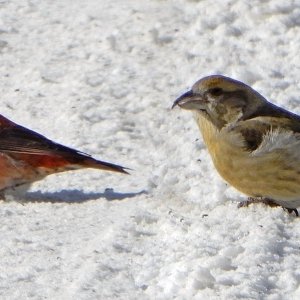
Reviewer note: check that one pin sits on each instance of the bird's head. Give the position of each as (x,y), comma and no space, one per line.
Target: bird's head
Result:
(221,100)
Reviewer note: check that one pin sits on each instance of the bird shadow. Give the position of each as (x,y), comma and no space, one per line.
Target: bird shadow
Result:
(77,196)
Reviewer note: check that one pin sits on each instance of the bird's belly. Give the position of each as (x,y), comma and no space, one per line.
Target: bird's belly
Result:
(257,176)
(14,172)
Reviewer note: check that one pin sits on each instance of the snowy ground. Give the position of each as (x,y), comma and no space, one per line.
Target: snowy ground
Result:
(101,76)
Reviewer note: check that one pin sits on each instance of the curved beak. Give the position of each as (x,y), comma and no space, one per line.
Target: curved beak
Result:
(183,98)
(190,101)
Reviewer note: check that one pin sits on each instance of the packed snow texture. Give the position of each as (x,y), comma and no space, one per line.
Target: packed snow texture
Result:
(101,76)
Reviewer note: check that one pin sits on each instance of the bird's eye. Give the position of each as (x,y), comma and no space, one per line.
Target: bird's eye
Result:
(216,91)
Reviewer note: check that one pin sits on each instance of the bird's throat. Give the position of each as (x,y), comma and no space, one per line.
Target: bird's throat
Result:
(209,132)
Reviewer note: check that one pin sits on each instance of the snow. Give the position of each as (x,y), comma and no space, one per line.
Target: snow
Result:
(101,76)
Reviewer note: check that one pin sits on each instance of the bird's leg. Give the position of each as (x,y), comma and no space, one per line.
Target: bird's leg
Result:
(268,202)
(247,202)
(252,200)
(14,193)
(2,194)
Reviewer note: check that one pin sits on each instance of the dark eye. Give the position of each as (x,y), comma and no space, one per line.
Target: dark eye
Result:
(216,91)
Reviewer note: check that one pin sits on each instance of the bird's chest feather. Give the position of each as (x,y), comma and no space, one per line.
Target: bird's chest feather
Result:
(225,150)
(229,154)
(222,145)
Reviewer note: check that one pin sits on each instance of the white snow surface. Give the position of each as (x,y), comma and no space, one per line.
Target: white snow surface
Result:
(101,76)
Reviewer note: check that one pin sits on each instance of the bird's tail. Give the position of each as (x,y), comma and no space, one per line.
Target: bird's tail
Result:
(98,164)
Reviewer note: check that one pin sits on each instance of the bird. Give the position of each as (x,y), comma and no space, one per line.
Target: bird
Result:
(27,156)
(253,143)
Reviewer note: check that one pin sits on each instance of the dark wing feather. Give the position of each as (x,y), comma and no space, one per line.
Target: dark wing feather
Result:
(267,117)
(18,139)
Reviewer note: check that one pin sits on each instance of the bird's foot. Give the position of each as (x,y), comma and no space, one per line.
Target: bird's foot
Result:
(268,202)
(292,210)
(15,194)
(2,195)
(252,200)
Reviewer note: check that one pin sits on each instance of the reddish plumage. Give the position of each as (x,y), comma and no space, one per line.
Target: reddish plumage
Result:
(26,156)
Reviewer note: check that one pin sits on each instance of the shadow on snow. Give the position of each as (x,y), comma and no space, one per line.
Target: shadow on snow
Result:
(77,196)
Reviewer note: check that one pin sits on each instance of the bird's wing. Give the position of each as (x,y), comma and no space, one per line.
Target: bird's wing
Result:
(18,139)
(267,134)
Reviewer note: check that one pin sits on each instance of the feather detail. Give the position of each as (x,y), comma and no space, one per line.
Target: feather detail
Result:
(277,139)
